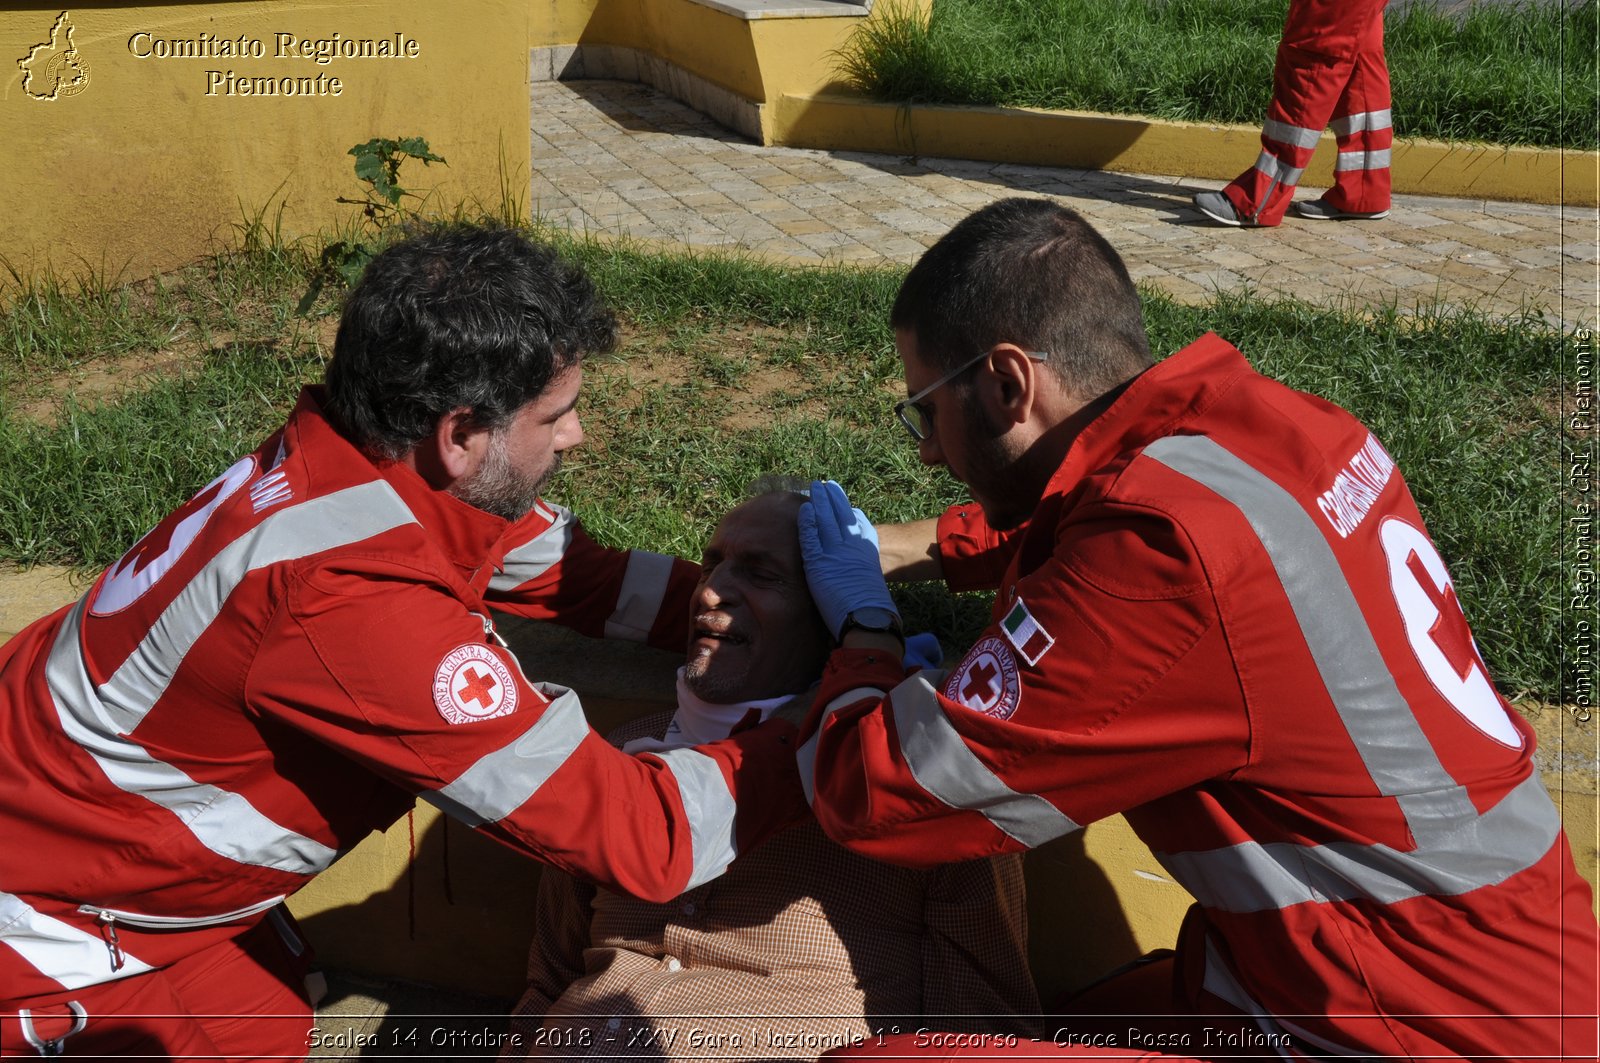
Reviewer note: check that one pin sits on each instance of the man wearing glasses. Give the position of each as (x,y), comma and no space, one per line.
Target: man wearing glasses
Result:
(1218,613)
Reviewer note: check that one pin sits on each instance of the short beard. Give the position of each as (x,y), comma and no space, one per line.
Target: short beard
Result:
(704,681)
(498,488)
(989,463)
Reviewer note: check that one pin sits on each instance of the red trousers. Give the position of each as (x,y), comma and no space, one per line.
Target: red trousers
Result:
(244,999)
(1330,71)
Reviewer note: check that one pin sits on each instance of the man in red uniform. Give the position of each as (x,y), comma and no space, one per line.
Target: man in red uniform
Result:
(1219,614)
(1330,71)
(294,656)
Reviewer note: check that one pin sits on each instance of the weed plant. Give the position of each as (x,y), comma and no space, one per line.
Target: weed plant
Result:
(1500,73)
(731,368)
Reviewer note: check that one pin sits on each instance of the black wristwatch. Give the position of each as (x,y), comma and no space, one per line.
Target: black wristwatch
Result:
(874,619)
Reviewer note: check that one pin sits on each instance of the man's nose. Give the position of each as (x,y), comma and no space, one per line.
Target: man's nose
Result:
(928,450)
(717,589)
(571,434)
(706,596)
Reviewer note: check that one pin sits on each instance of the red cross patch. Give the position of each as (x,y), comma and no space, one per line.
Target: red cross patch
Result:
(986,680)
(1438,632)
(472,683)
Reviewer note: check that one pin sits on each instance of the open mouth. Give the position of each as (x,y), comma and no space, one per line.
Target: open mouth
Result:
(716,629)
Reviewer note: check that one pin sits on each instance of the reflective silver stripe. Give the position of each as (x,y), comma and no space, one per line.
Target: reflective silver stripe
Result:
(1397,755)
(1278,171)
(100,719)
(501,782)
(1361,121)
(536,556)
(60,951)
(224,822)
(644,585)
(855,694)
(287,933)
(1284,133)
(710,807)
(1220,982)
(1363,160)
(1252,877)
(1457,850)
(318,524)
(806,757)
(943,765)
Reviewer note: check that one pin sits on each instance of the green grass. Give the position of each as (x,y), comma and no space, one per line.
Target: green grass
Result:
(52,324)
(1521,74)
(731,369)
(81,488)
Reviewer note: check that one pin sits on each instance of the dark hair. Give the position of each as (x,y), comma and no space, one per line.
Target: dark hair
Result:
(774,483)
(1033,273)
(460,316)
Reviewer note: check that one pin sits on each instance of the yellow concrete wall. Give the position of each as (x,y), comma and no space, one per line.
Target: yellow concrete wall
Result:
(800,52)
(693,37)
(756,60)
(569,21)
(143,163)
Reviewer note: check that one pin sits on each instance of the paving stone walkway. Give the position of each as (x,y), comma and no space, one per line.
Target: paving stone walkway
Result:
(621,158)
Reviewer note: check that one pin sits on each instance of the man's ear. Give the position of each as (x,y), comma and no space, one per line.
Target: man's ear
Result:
(452,451)
(1011,386)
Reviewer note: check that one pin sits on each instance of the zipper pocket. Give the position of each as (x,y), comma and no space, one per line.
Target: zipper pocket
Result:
(111,916)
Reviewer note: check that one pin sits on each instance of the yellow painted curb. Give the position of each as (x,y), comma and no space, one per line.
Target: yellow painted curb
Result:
(1181,149)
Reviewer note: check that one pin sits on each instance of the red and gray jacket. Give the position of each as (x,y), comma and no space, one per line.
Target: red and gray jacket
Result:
(284,665)
(1226,621)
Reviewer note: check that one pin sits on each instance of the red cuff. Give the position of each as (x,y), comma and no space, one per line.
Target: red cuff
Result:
(972,556)
(847,670)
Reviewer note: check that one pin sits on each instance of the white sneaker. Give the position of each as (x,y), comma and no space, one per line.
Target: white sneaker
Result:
(1219,208)
(1322,210)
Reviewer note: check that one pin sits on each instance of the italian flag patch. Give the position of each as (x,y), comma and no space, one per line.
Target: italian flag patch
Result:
(1026,634)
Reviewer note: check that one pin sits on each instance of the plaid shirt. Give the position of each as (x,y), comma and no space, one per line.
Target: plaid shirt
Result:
(801,946)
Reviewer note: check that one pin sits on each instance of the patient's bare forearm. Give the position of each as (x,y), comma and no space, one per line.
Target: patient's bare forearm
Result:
(909,551)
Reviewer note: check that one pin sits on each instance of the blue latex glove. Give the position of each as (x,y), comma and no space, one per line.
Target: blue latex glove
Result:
(923,650)
(840,548)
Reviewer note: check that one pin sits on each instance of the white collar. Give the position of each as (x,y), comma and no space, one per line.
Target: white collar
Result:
(698,721)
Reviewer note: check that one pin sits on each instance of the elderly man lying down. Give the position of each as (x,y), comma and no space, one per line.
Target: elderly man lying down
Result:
(801,945)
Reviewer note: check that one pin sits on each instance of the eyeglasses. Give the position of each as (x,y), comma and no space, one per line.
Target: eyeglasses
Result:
(917,419)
